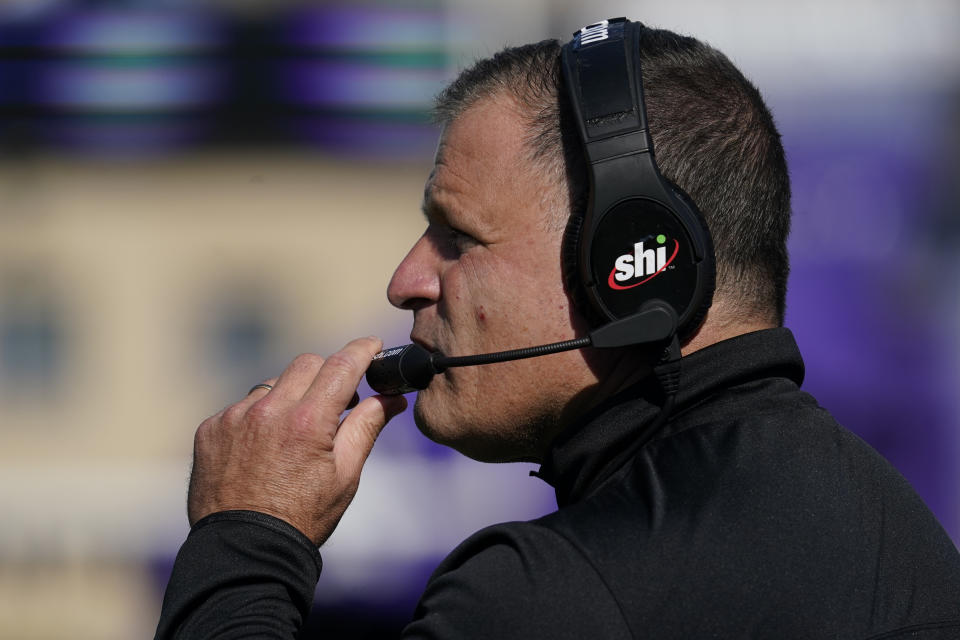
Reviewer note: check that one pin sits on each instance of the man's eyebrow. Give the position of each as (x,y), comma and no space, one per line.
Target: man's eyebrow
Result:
(431,209)
(425,207)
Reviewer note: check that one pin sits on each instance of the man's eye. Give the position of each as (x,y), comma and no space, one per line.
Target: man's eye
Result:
(462,241)
(450,239)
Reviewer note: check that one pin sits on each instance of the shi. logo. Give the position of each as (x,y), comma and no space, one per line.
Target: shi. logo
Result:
(641,263)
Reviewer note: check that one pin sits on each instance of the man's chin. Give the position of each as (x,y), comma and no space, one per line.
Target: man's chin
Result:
(439,431)
(473,443)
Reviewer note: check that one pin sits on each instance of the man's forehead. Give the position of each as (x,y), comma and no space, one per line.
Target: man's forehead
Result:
(459,173)
(481,157)
(428,204)
(441,203)
(491,130)
(440,152)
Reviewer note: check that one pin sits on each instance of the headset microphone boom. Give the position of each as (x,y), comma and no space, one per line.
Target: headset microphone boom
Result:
(411,367)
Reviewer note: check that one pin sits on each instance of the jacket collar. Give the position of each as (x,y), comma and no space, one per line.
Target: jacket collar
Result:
(576,462)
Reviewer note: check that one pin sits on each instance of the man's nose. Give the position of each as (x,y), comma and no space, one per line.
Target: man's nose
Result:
(416,281)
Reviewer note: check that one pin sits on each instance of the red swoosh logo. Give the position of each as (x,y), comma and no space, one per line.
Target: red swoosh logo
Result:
(613,283)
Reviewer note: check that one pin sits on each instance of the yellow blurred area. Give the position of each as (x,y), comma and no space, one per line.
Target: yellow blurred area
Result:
(135,253)
(85,601)
(138,259)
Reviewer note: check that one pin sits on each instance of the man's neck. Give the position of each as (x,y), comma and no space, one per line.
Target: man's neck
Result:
(719,325)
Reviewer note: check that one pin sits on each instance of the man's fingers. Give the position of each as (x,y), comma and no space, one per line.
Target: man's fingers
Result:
(256,393)
(261,389)
(297,377)
(354,401)
(360,429)
(336,382)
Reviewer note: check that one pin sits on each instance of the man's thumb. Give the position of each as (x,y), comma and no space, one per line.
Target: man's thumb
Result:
(360,429)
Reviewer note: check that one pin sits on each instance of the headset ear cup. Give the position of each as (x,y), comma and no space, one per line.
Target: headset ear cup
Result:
(569,264)
(709,276)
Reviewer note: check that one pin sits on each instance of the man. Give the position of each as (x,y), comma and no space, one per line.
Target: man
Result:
(748,513)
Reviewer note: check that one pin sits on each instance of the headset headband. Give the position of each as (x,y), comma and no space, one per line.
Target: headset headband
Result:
(608,92)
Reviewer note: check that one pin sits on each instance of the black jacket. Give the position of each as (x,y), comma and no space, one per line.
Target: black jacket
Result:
(752,513)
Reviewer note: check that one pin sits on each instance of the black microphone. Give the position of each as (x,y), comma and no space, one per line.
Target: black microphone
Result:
(410,367)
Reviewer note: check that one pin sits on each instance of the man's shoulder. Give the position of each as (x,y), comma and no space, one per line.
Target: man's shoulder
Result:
(517,580)
(780,510)
(774,449)
(531,539)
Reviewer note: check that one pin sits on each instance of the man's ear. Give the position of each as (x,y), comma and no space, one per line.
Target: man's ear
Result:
(572,285)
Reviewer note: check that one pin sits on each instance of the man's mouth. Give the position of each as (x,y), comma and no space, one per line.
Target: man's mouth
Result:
(423,343)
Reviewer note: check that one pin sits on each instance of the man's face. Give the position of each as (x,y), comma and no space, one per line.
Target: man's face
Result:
(485,276)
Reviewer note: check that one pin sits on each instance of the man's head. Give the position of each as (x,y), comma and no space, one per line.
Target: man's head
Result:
(510,173)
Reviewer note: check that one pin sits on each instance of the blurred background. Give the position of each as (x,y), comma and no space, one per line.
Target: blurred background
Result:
(183,183)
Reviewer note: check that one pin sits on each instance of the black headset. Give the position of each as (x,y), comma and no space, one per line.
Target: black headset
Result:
(641,240)
(639,263)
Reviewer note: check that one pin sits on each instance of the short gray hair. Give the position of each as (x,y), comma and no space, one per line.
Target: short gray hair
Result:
(713,134)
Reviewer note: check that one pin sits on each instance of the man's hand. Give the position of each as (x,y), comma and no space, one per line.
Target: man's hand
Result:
(285,452)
